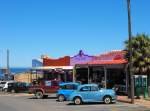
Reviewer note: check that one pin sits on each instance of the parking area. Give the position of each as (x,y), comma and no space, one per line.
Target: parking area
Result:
(26,102)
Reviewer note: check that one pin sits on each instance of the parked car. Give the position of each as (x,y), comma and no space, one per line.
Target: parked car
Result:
(2,84)
(65,90)
(16,87)
(5,87)
(92,93)
(44,88)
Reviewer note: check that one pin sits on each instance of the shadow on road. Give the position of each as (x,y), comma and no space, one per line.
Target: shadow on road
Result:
(97,103)
(43,98)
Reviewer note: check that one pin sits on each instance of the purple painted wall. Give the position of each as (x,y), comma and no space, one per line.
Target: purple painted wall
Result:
(80,57)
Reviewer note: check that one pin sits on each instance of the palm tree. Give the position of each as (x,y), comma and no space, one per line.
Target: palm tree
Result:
(140,55)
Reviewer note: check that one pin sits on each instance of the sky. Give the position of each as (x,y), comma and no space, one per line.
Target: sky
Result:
(31,28)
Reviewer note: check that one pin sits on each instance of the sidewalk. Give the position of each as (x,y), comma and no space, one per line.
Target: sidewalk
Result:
(142,102)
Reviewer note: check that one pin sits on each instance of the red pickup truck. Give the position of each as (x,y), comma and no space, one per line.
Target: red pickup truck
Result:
(44,88)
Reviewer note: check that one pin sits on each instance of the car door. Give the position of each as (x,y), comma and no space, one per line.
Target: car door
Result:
(47,87)
(94,94)
(84,92)
(22,87)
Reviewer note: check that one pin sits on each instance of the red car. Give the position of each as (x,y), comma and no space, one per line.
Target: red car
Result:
(44,88)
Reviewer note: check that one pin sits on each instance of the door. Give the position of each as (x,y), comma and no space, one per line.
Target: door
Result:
(84,92)
(47,87)
(94,94)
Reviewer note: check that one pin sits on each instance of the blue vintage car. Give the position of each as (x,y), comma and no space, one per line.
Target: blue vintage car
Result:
(92,93)
(66,89)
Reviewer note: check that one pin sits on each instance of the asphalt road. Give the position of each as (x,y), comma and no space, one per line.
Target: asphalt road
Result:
(21,102)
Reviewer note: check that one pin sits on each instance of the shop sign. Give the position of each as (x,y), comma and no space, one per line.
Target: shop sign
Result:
(80,58)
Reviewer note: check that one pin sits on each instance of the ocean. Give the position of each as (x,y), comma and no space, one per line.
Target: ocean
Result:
(17,70)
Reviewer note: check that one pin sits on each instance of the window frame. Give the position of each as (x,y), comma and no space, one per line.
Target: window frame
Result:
(84,87)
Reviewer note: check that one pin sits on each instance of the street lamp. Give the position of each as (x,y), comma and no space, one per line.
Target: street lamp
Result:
(130,53)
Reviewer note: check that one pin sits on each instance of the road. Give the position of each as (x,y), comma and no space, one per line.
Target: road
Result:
(15,102)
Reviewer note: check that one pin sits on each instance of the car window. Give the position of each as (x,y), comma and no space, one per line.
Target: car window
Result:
(66,87)
(71,87)
(94,88)
(85,88)
(48,83)
(55,83)
(63,87)
(10,84)
(18,84)
(22,84)
(3,83)
(75,87)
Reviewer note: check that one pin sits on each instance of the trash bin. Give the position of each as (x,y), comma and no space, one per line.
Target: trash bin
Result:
(149,91)
(138,92)
(145,92)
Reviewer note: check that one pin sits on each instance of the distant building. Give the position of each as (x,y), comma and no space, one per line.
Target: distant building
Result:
(26,77)
(37,62)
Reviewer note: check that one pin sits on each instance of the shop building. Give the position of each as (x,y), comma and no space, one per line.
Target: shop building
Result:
(107,70)
(58,69)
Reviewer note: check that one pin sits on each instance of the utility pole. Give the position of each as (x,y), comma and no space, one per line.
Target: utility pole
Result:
(8,68)
(130,53)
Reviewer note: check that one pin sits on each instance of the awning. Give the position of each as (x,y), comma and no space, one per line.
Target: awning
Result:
(111,62)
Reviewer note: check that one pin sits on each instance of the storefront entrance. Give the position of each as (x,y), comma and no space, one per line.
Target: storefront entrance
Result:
(61,75)
(108,76)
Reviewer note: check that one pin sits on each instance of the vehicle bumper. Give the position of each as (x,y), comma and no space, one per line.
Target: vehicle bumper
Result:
(114,99)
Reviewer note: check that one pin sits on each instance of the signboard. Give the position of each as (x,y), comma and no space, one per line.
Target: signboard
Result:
(80,58)
(114,55)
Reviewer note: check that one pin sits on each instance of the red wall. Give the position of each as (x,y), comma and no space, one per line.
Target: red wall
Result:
(65,61)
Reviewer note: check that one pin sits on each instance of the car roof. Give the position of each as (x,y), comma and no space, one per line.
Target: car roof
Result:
(87,85)
(2,82)
(69,83)
(10,81)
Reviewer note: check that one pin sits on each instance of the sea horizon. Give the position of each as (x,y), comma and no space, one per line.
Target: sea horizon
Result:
(16,70)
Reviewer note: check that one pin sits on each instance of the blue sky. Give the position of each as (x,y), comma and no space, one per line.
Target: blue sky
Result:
(30,28)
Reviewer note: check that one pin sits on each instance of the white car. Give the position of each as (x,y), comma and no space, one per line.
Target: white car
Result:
(2,84)
(5,87)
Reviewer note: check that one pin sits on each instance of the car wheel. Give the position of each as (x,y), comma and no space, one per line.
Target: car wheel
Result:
(13,91)
(39,95)
(61,98)
(5,90)
(107,99)
(77,101)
